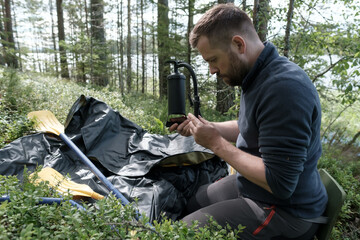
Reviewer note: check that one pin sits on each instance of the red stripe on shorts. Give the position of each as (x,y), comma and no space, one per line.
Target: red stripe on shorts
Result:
(266,222)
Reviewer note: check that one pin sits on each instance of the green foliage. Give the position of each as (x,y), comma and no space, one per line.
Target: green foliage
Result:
(23,218)
(142,105)
(14,103)
(13,127)
(340,122)
(14,95)
(326,48)
(347,175)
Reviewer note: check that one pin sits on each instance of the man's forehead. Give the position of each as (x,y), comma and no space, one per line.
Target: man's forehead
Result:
(205,49)
(203,43)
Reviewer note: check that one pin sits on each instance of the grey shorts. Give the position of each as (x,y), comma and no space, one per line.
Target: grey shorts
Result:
(223,201)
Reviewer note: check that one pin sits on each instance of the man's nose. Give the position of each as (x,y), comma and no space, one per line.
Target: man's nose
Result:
(213,69)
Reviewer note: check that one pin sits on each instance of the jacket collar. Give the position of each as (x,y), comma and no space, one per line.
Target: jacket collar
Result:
(265,57)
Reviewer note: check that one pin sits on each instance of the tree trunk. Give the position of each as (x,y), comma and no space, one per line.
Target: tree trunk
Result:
(128,49)
(61,35)
(243,5)
(100,76)
(54,38)
(86,19)
(137,46)
(120,53)
(143,48)
(88,36)
(288,28)
(16,37)
(261,17)
(9,44)
(353,140)
(163,41)
(191,8)
(153,51)
(225,95)
(2,38)
(38,59)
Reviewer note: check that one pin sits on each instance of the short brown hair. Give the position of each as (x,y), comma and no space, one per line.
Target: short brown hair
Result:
(220,23)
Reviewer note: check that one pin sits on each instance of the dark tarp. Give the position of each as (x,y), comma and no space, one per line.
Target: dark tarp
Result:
(162,172)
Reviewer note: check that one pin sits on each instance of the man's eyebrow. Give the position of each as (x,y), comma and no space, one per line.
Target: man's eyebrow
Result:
(208,59)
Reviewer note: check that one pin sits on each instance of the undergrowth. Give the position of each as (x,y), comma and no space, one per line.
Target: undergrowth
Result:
(347,175)
(23,218)
(23,93)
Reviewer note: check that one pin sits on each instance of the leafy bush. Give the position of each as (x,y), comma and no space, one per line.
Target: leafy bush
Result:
(344,173)
(24,218)
(15,96)
(15,102)
(339,122)
(13,127)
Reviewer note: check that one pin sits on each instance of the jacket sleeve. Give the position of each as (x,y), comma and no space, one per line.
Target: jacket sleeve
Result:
(284,118)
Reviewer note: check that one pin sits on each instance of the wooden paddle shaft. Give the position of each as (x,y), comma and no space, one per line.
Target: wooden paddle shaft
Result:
(94,169)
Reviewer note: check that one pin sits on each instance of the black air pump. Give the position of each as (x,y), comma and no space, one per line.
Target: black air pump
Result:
(176,94)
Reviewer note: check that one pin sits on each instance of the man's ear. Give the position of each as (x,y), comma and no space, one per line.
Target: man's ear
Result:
(239,43)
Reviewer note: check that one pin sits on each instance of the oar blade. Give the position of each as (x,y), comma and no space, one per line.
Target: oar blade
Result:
(45,121)
(63,185)
(49,123)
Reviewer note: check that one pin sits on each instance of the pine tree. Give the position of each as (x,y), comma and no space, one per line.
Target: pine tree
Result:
(61,35)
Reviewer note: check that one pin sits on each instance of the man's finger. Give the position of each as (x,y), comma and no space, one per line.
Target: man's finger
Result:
(202,119)
(183,125)
(173,127)
(191,127)
(191,116)
(186,128)
(193,119)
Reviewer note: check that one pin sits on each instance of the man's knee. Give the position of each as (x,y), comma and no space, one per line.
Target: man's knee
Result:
(200,217)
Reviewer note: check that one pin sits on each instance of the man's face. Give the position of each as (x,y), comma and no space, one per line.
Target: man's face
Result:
(228,65)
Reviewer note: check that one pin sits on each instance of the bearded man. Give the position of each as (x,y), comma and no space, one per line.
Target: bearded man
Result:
(277,192)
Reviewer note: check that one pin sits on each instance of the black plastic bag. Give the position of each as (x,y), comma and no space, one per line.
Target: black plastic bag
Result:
(161,171)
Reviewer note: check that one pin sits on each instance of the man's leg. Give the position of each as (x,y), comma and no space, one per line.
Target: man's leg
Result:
(222,201)
(224,189)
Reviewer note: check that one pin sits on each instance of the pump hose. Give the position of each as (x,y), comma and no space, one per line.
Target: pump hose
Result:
(196,94)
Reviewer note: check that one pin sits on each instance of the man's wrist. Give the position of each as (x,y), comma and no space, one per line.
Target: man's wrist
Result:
(219,146)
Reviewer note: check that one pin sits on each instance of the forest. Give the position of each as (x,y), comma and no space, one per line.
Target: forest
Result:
(118,52)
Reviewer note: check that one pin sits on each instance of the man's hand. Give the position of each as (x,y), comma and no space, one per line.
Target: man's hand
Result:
(182,129)
(204,132)
(208,135)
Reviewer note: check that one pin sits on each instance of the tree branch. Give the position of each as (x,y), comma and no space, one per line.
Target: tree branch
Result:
(332,122)
(348,145)
(326,70)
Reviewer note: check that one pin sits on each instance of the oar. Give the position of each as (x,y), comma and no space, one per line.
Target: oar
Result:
(45,121)
(47,200)
(64,185)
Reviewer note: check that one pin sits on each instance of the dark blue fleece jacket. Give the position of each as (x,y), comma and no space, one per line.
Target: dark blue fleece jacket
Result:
(279,121)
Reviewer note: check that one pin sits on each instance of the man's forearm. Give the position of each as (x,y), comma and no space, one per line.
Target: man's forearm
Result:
(228,130)
(210,135)
(251,167)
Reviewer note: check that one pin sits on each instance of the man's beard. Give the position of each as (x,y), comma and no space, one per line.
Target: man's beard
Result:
(237,71)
